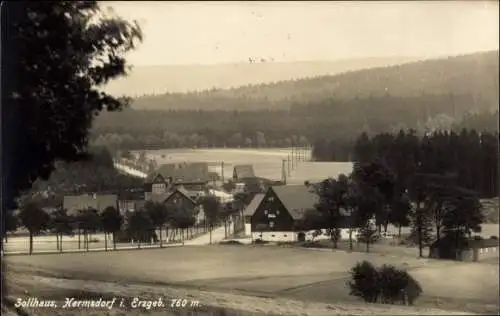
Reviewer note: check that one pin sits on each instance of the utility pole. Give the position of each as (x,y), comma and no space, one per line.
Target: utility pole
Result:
(222,171)
(283,172)
(288,165)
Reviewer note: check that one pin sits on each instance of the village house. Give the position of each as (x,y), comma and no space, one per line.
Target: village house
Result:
(279,214)
(73,204)
(193,177)
(242,172)
(274,215)
(178,198)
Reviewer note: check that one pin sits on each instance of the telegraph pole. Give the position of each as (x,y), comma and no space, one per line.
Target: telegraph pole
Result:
(222,171)
(283,172)
(288,165)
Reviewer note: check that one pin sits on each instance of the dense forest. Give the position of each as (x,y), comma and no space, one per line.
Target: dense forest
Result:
(472,74)
(470,157)
(94,174)
(132,129)
(425,96)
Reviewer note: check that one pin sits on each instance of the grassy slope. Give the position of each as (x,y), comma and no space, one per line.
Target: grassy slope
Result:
(230,276)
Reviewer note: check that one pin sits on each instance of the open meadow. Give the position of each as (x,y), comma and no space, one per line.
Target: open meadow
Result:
(267,162)
(255,274)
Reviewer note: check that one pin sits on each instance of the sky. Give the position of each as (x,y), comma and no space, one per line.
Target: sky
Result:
(182,33)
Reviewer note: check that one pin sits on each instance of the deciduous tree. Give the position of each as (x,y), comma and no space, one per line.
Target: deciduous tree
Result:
(35,219)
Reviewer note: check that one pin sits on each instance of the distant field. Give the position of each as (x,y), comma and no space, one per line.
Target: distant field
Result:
(308,275)
(267,162)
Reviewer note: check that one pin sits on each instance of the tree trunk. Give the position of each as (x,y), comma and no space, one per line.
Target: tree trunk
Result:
(225,228)
(61,243)
(31,243)
(5,237)
(385,226)
(105,241)
(367,246)
(210,235)
(399,231)
(350,239)
(438,235)
(79,239)
(161,238)
(57,241)
(114,240)
(87,236)
(419,231)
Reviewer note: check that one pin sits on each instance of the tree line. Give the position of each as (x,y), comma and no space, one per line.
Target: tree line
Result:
(140,226)
(434,204)
(96,173)
(342,121)
(470,156)
(342,149)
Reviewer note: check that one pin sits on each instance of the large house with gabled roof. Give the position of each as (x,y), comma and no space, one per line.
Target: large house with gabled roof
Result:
(279,214)
(191,176)
(274,215)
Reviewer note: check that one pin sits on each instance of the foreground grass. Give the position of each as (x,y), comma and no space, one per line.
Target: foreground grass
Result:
(212,303)
(256,279)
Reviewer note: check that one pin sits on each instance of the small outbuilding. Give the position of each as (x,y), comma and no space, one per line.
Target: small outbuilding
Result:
(469,250)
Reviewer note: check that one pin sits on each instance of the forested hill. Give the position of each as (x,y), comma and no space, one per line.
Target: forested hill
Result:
(184,78)
(475,75)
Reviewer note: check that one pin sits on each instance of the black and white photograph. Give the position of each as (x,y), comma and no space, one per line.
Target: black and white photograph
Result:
(240,158)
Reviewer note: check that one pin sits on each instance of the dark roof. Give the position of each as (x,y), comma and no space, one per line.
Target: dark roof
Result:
(162,197)
(182,172)
(158,197)
(482,243)
(184,192)
(74,203)
(244,171)
(297,199)
(469,243)
(254,204)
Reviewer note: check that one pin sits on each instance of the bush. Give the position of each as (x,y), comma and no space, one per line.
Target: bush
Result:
(387,283)
(478,237)
(397,285)
(230,242)
(363,281)
(493,237)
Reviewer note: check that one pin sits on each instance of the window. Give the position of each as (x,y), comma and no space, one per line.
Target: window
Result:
(270,199)
(284,235)
(277,212)
(271,224)
(265,212)
(158,188)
